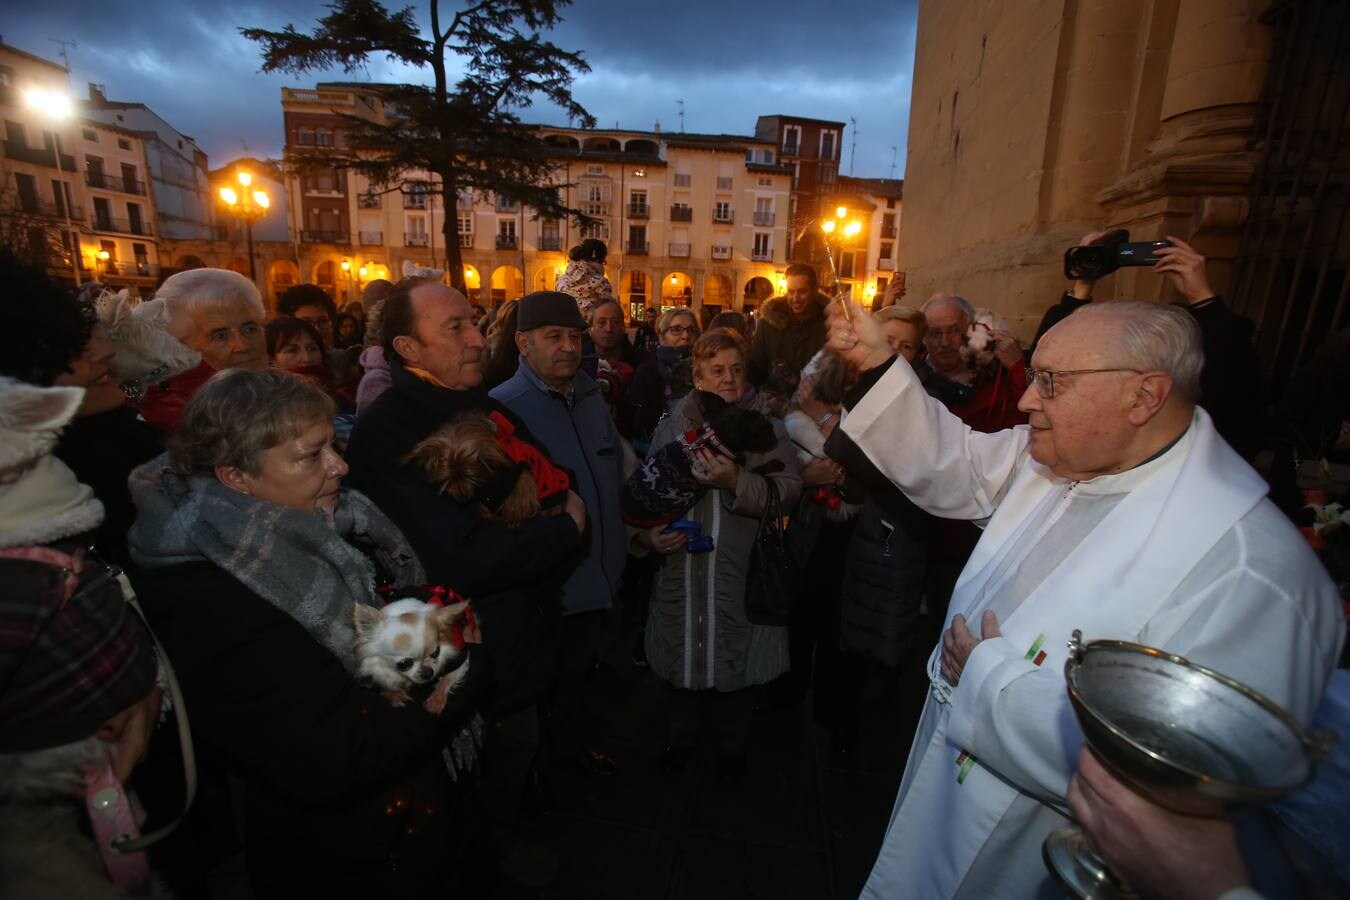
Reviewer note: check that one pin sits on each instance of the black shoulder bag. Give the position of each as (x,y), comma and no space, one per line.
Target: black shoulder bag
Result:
(774,577)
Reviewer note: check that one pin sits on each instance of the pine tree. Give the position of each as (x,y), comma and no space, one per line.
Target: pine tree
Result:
(468,135)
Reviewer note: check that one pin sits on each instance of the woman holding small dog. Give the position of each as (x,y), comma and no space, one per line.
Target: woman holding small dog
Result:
(698,638)
(255,560)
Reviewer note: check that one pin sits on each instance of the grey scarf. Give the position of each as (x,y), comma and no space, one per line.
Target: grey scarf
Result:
(310,568)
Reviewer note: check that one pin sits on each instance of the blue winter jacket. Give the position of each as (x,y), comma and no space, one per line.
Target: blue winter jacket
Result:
(578,433)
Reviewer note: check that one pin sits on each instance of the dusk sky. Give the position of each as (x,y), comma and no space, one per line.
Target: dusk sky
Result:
(729,62)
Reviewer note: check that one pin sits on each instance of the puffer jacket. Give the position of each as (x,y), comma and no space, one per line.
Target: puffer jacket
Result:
(783,338)
(697,634)
(375,380)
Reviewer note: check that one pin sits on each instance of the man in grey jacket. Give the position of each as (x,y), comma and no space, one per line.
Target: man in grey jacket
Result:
(565,411)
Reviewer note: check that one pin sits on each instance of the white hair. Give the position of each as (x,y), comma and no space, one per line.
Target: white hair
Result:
(208,290)
(1153,337)
(967,308)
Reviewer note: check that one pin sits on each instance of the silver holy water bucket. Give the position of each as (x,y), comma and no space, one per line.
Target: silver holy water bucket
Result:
(1184,736)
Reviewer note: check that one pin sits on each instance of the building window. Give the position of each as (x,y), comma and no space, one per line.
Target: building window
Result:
(637,285)
(683,179)
(885,252)
(465,220)
(597,193)
(550,235)
(90,135)
(507,228)
(637,238)
(722,211)
(761,250)
(323,138)
(766,156)
(595,170)
(304,137)
(827,144)
(792,139)
(123,144)
(597,230)
(142,259)
(724,183)
(637,203)
(765,182)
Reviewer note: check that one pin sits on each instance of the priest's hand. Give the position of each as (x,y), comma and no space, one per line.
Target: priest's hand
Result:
(856,336)
(958,642)
(1159,852)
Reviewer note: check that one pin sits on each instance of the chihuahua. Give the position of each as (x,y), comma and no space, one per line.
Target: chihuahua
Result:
(410,643)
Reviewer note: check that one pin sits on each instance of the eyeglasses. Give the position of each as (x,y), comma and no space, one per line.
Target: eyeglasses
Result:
(682,329)
(1044,379)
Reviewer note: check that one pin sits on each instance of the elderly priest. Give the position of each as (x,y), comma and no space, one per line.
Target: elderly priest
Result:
(1119,511)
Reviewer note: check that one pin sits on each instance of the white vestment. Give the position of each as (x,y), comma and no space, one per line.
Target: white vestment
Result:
(1182,553)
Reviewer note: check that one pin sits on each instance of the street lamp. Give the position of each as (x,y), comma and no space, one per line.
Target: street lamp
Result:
(56,105)
(841,231)
(248,206)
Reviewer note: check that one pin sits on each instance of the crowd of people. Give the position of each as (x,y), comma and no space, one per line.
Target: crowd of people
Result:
(207,509)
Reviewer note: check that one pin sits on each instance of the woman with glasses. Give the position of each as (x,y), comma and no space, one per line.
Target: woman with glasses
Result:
(661,381)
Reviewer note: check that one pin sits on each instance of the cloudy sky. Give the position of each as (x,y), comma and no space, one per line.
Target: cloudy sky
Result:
(728,61)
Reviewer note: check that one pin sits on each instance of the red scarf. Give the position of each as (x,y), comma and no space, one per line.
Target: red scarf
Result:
(551,480)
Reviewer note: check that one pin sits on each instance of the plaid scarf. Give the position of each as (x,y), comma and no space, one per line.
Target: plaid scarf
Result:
(305,565)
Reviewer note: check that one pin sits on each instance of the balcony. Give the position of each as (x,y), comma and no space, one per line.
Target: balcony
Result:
(886,265)
(507,242)
(721,252)
(681,214)
(324,237)
(49,210)
(414,201)
(38,156)
(415,239)
(639,211)
(138,269)
(636,249)
(372,238)
(723,216)
(368,201)
(888,231)
(679,251)
(763,218)
(122,226)
(466,240)
(114,183)
(762,255)
(550,242)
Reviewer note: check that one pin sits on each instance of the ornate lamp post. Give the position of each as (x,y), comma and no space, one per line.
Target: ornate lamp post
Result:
(248,206)
(840,230)
(57,107)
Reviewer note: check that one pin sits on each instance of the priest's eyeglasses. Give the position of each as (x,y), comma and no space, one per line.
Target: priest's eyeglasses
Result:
(1044,379)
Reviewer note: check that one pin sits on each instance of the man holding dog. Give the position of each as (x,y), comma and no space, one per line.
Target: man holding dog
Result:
(565,409)
(1117,510)
(512,575)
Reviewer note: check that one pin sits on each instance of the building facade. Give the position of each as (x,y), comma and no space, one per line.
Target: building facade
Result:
(688,219)
(1217,121)
(75,191)
(812,149)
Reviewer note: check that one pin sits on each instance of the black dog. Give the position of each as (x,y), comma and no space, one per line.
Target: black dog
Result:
(664,487)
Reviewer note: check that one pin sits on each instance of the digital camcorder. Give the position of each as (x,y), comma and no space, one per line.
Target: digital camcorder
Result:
(1109,252)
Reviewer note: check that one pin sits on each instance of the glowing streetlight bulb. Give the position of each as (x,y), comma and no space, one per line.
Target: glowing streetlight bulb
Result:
(245,178)
(827,226)
(363,271)
(229,196)
(674,280)
(840,212)
(104,255)
(54,104)
(346,265)
(261,198)
(852,228)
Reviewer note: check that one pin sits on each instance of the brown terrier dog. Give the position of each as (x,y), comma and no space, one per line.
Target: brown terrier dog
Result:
(466,460)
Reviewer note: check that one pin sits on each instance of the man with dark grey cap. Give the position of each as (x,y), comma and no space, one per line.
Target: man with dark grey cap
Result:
(565,410)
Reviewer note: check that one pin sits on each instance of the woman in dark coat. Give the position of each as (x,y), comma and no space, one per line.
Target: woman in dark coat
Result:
(254,559)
